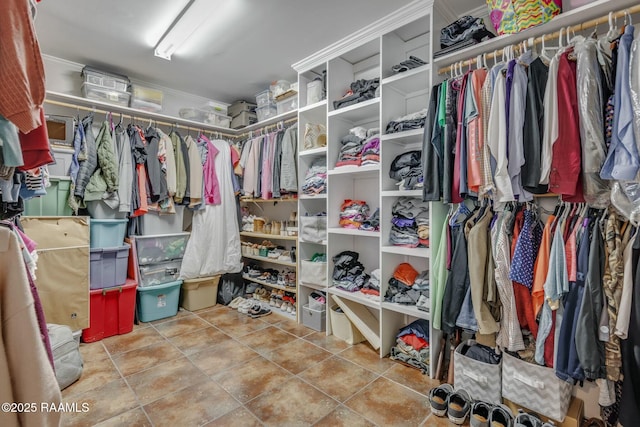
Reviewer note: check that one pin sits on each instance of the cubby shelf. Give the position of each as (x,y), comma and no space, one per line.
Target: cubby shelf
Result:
(353,232)
(358,297)
(400,250)
(270,260)
(267,236)
(408,136)
(358,112)
(314,152)
(271,285)
(410,310)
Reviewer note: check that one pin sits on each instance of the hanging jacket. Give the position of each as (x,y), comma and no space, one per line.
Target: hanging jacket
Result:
(89,163)
(104,180)
(431,170)
(125,181)
(289,170)
(157,179)
(181,177)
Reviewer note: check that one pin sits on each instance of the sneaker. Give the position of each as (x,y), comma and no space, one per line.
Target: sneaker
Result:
(245,306)
(501,416)
(438,399)
(423,303)
(236,302)
(459,406)
(524,419)
(258,311)
(480,414)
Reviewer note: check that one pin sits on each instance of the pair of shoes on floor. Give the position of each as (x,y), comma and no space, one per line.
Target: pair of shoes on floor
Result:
(457,405)
(258,311)
(246,305)
(236,302)
(288,307)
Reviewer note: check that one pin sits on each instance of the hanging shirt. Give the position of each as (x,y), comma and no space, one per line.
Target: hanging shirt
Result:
(623,160)
(211,183)
(497,136)
(485,104)
(537,75)
(515,138)
(449,140)
(550,133)
(457,187)
(475,132)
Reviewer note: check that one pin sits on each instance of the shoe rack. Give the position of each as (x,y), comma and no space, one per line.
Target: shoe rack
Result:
(368,54)
(276,223)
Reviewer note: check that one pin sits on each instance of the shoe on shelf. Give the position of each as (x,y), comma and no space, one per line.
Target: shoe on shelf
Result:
(459,406)
(524,419)
(439,398)
(480,412)
(285,256)
(501,416)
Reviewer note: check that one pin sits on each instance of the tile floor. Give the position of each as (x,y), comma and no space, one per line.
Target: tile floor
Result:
(216,367)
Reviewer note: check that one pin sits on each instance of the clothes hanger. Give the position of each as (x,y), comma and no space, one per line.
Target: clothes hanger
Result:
(627,15)
(612,34)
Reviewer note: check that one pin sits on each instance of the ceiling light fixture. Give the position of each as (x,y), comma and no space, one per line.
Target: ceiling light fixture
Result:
(194,14)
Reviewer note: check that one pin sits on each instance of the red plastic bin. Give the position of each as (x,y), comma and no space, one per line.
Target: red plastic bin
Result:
(111,312)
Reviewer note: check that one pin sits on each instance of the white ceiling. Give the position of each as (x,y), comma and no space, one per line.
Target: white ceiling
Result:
(233,58)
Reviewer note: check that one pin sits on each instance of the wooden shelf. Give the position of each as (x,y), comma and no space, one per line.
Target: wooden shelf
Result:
(353,232)
(270,285)
(406,137)
(410,310)
(314,152)
(400,250)
(358,297)
(288,199)
(267,236)
(317,196)
(369,109)
(316,106)
(402,193)
(271,260)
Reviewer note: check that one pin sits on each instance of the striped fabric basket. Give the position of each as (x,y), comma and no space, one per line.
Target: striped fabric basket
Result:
(512,16)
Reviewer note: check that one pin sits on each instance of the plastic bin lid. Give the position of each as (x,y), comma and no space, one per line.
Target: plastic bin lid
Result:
(161,286)
(130,283)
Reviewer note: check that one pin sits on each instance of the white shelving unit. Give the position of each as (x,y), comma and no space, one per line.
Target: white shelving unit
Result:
(369,54)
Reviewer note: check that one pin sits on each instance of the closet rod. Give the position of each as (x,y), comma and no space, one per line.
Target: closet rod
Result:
(132,117)
(538,40)
(274,125)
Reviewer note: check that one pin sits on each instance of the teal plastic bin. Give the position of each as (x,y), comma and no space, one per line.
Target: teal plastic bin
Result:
(54,203)
(107,233)
(158,301)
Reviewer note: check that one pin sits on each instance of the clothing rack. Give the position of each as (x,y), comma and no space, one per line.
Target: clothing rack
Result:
(542,39)
(266,129)
(134,117)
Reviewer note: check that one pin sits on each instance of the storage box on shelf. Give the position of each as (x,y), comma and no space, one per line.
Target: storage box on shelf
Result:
(263,98)
(279,87)
(284,105)
(266,112)
(244,119)
(109,96)
(158,301)
(54,203)
(241,106)
(146,99)
(108,267)
(199,293)
(104,79)
(111,312)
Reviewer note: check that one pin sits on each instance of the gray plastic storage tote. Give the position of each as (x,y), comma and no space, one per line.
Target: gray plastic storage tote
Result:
(482,380)
(535,387)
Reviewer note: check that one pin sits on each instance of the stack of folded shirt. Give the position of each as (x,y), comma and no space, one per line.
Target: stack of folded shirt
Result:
(348,272)
(410,223)
(371,151)
(409,64)
(360,90)
(412,345)
(372,223)
(372,287)
(422,283)
(353,213)
(410,121)
(406,168)
(350,152)
(315,178)
(400,289)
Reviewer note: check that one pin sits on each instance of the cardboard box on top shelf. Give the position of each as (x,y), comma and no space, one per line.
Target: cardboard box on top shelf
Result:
(574,418)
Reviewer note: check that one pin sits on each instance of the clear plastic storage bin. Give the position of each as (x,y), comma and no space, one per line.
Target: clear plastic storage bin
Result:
(146,99)
(161,248)
(95,77)
(286,105)
(159,273)
(110,96)
(263,99)
(265,113)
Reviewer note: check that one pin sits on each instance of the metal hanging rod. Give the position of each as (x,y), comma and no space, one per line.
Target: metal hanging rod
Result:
(134,117)
(539,40)
(266,128)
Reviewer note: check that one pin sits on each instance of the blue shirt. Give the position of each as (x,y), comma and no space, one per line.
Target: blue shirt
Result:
(623,160)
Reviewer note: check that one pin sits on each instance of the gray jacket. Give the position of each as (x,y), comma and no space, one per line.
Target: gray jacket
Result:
(289,168)
(88,164)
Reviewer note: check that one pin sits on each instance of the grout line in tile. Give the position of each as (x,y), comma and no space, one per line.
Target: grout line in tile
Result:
(403,385)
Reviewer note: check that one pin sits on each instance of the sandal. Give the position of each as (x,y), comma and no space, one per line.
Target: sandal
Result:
(439,398)
(458,407)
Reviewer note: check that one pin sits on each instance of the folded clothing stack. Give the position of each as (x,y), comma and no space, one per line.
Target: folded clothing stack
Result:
(422,283)
(348,272)
(410,223)
(350,152)
(371,151)
(402,288)
(408,122)
(406,168)
(372,287)
(412,345)
(360,90)
(353,213)
(316,178)
(408,64)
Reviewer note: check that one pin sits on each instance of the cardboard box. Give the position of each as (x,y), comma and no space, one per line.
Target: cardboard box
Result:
(574,418)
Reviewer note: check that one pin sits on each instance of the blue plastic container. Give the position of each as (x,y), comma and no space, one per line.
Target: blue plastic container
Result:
(107,233)
(158,301)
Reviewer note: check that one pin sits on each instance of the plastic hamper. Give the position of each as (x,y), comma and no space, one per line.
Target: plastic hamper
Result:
(343,328)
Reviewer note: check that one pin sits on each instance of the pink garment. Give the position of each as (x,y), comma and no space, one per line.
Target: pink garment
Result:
(250,173)
(266,188)
(211,184)
(28,243)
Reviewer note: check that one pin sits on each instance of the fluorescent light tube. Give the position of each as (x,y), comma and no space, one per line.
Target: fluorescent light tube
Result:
(195,13)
